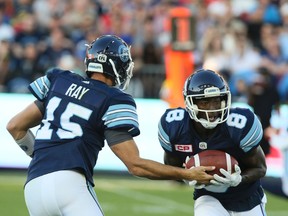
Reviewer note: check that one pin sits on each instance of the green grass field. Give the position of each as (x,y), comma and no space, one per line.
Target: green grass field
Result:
(120,195)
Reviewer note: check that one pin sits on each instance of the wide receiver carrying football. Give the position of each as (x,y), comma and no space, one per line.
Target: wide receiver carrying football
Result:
(219,159)
(209,123)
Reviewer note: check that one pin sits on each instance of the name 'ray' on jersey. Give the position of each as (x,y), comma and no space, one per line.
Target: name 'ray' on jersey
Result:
(78,108)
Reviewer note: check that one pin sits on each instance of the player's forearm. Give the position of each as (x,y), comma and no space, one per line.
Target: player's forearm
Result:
(256,166)
(24,120)
(253,175)
(13,128)
(154,170)
(157,171)
(24,138)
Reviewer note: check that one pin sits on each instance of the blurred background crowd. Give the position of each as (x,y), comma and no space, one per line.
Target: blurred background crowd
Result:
(245,40)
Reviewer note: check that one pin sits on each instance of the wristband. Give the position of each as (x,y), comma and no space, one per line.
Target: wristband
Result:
(27,143)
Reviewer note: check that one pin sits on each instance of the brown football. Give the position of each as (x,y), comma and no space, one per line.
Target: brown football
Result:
(217,158)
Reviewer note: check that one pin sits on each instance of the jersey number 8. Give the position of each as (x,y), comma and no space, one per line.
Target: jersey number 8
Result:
(234,119)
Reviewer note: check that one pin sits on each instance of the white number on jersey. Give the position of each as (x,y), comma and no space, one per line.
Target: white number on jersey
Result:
(175,115)
(236,120)
(69,129)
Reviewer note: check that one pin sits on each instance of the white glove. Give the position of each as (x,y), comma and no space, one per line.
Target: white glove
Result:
(230,180)
(194,184)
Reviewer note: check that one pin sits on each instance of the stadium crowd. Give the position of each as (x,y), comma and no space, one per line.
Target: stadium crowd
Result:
(246,41)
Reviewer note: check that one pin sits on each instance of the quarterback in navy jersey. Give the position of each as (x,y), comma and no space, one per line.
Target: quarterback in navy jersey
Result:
(83,120)
(208,122)
(76,115)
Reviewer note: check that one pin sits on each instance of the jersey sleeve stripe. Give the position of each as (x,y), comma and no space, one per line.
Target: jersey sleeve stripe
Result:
(253,137)
(122,121)
(164,138)
(119,115)
(121,106)
(121,112)
(40,87)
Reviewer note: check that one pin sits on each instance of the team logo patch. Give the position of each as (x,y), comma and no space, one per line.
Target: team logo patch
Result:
(183,148)
(123,53)
(203,145)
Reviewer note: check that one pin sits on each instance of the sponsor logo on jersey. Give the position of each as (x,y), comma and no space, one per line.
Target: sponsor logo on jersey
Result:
(203,145)
(183,148)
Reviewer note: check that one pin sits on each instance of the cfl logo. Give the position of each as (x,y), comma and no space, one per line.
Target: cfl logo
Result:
(203,145)
(102,58)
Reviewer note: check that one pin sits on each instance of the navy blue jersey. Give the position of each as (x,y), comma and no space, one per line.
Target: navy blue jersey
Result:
(240,134)
(77,112)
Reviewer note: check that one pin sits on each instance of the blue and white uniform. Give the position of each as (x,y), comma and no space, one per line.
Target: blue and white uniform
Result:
(77,113)
(237,136)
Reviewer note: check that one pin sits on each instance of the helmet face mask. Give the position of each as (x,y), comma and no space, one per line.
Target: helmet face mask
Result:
(207,87)
(111,56)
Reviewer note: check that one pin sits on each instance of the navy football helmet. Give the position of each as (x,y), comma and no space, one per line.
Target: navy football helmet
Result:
(206,84)
(110,55)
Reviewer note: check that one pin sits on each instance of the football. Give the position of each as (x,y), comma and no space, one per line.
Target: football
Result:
(217,158)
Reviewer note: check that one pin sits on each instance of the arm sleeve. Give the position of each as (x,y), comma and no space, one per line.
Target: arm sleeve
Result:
(40,106)
(114,137)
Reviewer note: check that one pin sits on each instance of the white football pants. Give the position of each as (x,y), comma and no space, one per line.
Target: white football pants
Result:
(62,193)
(208,205)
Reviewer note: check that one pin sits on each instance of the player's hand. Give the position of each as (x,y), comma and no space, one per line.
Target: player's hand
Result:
(193,183)
(201,178)
(231,180)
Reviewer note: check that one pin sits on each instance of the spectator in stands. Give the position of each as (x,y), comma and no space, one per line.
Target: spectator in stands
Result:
(263,98)
(24,68)
(7,34)
(214,54)
(244,60)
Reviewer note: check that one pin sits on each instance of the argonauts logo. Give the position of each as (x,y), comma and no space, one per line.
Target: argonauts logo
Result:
(123,53)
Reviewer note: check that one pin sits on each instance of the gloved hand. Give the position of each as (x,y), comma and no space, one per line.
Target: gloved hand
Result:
(230,180)
(194,184)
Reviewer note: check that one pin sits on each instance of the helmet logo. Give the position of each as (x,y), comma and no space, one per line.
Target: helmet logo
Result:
(101,58)
(123,53)
(212,91)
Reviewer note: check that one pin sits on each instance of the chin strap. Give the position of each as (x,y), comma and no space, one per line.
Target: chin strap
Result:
(209,125)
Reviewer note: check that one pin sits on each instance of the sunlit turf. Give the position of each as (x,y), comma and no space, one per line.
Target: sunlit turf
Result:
(124,195)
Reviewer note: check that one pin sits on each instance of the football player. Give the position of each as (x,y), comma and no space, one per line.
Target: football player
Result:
(77,114)
(209,122)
